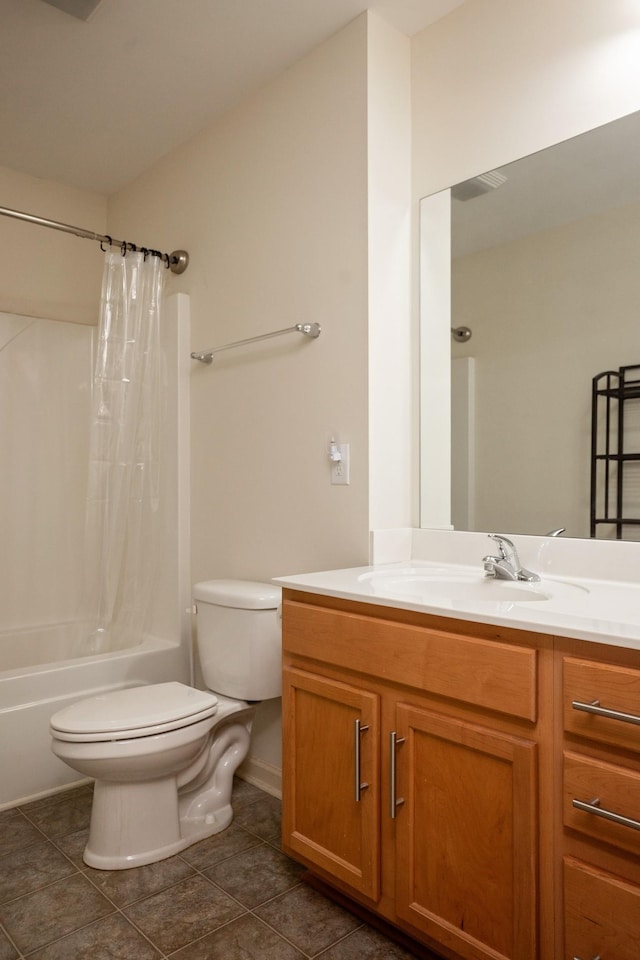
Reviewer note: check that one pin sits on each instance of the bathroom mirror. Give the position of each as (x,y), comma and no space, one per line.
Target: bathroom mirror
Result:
(544,272)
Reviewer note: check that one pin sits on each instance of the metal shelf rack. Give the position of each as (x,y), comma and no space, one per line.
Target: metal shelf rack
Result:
(611,481)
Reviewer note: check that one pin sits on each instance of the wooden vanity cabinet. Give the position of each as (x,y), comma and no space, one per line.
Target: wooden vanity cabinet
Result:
(411,770)
(600,764)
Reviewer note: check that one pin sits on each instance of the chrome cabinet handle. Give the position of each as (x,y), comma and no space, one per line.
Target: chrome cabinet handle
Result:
(594,707)
(594,958)
(358,729)
(394,741)
(593,806)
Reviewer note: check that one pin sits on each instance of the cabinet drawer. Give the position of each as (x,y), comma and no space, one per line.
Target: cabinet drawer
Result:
(602,914)
(605,687)
(500,677)
(618,791)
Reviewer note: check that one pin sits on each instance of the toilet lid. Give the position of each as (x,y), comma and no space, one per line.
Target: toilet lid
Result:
(134,712)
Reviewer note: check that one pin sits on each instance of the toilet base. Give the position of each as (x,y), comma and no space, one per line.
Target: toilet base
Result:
(142,822)
(111,846)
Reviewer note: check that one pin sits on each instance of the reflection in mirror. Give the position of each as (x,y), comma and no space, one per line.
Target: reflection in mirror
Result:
(545,274)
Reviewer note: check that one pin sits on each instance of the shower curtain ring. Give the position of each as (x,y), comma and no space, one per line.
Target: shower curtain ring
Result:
(123,248)
(108,241)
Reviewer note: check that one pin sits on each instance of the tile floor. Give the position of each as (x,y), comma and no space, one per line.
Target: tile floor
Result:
(234,896)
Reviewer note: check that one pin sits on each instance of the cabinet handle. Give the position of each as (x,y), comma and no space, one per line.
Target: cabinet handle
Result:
(358,729)
(593,806)
(594,958)
(594,707)
(394,741)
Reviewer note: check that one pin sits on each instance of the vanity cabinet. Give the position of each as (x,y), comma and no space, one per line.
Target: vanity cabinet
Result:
(411,770)
(600,762)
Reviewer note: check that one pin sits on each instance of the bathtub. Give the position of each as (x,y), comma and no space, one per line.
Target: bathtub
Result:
(31,691)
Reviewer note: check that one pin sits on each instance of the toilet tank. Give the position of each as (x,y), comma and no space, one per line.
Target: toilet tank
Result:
(238,636)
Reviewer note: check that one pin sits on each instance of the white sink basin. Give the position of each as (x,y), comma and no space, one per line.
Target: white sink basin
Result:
(451,588)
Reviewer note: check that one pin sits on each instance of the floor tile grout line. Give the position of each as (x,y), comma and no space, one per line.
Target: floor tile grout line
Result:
(279,934)
(44,886)
(91,923)
(33,824)
(281,893)
(272,842)
(11,941)
(330,946)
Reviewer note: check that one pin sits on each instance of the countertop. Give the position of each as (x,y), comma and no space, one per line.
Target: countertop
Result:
(602,611)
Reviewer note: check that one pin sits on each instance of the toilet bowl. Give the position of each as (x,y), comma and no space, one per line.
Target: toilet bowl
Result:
(163,755)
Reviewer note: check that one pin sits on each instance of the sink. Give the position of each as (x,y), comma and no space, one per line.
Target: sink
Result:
(464,588)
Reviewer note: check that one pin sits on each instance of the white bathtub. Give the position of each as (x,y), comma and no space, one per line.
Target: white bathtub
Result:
(31,692)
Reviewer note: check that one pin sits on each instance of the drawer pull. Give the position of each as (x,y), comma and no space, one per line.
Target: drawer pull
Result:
(594,707)
(595,958)
(593,806)
(358,730)
(394,741)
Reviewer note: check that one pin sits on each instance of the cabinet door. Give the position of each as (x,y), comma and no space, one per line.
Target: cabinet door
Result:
(330,803)
(466,835)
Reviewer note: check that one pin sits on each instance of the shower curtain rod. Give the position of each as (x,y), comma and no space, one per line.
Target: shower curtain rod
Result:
(311,330)
(177,261)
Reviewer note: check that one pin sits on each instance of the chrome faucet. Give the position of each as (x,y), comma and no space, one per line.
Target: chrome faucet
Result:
(506,566)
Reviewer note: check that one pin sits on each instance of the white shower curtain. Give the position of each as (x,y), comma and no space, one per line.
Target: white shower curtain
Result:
(122,515)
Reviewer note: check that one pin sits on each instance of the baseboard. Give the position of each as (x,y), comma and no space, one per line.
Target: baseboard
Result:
(263,775)
(43,794)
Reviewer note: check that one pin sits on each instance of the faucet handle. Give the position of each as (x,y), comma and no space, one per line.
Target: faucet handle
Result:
(507,547)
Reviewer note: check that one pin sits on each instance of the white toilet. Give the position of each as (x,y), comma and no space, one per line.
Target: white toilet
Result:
(163,755)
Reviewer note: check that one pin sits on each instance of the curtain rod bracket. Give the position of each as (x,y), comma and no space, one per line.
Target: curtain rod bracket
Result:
(178,261)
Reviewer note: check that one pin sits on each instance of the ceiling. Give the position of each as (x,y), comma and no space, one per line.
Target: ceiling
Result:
(93,103)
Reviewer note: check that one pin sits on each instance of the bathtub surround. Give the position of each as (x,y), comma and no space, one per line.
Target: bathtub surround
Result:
(44,673)
(44,395)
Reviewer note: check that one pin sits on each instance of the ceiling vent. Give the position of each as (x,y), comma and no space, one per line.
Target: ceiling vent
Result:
(81,9)
(469,189)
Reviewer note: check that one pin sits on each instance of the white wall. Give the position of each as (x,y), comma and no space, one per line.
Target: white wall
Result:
(47,273)
(499,79)
(283,205)
(392,343)
(271,203)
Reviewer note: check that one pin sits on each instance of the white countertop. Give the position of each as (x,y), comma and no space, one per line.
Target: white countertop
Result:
(604,611)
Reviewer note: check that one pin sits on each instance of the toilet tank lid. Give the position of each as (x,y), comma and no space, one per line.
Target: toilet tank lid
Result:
(243,594)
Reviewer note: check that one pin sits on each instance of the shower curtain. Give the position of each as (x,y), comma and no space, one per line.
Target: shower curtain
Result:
(122,516)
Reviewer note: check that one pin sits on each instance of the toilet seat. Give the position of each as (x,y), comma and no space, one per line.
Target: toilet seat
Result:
(133,712)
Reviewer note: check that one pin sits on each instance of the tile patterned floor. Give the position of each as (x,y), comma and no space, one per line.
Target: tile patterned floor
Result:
(234,896)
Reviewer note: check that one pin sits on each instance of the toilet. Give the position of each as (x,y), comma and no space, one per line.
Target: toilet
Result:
(163,755)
